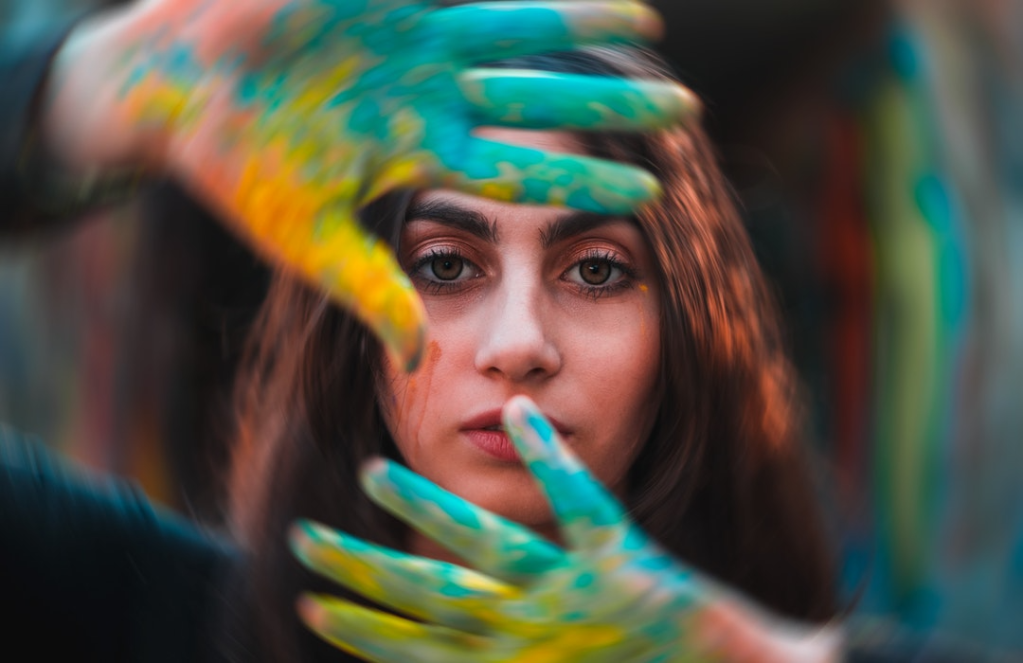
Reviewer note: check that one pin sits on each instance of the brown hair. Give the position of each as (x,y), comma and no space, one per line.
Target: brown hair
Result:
(721,482)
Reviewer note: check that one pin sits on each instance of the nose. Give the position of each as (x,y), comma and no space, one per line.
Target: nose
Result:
(516,342)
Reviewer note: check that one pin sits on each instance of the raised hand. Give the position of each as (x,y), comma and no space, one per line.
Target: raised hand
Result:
(611,594)
(290,115)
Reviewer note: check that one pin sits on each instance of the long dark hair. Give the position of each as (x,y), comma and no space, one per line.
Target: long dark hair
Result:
(721,482)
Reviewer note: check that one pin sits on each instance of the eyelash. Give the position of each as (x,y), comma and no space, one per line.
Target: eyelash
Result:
(432,286)
(626,281)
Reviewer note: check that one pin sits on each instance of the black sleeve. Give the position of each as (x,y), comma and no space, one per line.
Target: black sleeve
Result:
(25,57)
(91,571)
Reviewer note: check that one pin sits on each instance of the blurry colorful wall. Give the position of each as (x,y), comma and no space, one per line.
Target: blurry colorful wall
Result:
(877,151)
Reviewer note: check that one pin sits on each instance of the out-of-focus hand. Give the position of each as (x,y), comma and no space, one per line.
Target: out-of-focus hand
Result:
(287,116)
(610,595)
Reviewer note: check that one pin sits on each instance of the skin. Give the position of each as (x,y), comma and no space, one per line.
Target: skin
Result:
(609,594)
(287,116)
(519,318)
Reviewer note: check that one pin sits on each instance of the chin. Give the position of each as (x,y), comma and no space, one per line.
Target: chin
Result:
(509,492)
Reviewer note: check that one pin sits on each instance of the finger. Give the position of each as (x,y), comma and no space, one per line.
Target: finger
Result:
(588,514)
(500,30)
(303,229)
(433,591)
(527,175)
(356,269)
(542,100)
(384,638)
(489,543)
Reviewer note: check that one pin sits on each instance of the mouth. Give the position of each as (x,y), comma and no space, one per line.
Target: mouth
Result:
(486,433)
(490,421)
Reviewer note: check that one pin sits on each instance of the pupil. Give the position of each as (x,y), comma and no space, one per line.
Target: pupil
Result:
(447,269)
(595,272)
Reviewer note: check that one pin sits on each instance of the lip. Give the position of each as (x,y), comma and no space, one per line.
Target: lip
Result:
(491,418)
(496,443)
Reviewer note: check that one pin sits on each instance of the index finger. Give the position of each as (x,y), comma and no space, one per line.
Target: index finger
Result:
(488,542)
(588,514)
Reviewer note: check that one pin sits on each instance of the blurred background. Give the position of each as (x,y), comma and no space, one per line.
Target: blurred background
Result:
(876,147)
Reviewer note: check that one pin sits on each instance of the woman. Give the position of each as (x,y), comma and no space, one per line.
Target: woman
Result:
(259,109)
(699,445)
(651,340)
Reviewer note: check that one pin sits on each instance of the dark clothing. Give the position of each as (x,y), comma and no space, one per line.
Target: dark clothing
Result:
(91,571)
(24,61)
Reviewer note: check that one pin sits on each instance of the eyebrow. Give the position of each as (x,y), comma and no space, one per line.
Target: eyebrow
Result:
(478,225)
(573,224)
(460,218)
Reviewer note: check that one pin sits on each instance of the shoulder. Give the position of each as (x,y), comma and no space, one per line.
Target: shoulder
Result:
(124,578)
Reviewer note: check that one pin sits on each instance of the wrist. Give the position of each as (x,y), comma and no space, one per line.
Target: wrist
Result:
(81,128)
(730,629)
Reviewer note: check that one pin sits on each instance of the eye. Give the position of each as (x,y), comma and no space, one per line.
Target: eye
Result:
(447,268)
(442,268)
(600,273)
(595,271)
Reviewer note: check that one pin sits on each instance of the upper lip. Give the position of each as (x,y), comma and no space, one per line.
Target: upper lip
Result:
(492,418)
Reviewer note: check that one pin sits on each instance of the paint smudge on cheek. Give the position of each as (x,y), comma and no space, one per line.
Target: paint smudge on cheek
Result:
(433,354)
(644,314)
(410,398)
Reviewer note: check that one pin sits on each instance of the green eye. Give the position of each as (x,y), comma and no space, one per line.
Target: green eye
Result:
(447,268)
(595,272)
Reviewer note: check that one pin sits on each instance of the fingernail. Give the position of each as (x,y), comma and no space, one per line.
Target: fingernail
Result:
(310,612)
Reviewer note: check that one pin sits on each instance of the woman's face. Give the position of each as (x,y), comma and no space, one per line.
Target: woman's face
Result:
(557,305)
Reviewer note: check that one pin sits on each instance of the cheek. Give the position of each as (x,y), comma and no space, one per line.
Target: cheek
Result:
(621,349)
(406,401)
(619,372)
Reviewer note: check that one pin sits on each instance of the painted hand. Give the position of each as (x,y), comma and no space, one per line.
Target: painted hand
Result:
(290,115)
(610,595)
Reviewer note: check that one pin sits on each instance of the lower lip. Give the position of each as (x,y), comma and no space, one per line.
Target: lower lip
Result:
(495,444)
